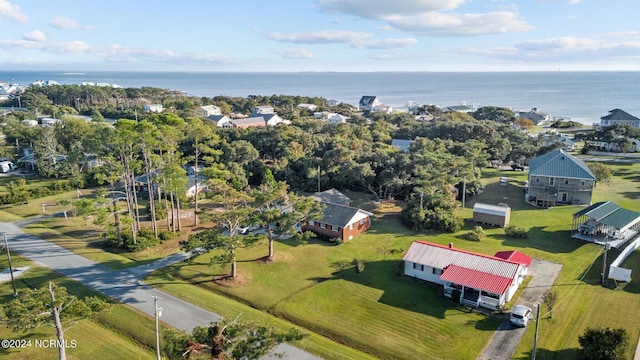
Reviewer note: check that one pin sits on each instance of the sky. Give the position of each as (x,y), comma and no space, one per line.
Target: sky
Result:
(320,35)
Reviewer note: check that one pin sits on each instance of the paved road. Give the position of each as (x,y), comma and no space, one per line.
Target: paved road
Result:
(506,339)
(122,286)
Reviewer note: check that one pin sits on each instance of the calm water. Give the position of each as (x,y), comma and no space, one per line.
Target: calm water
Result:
(581,96)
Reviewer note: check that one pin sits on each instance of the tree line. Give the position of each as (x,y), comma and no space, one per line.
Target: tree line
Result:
(308,155)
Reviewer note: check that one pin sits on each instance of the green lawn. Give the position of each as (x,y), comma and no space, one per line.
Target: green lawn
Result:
(117,333)
(379,313)
(387,315)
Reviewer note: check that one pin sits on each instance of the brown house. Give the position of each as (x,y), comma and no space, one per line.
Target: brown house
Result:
(340,221)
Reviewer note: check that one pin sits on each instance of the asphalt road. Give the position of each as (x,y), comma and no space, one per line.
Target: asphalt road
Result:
(506,339)
(123,286)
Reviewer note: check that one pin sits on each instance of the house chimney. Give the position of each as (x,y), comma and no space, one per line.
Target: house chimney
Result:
(450,245)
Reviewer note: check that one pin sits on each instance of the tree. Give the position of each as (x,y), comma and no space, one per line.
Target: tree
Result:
(229,339)
(550,298)
(604,343)
(601,171)
(203,138)
(52,305)
(208,240)
(280,211)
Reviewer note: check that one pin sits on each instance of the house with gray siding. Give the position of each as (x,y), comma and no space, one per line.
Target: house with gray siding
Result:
(559,178)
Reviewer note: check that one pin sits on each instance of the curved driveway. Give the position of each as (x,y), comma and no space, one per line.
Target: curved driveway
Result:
(123,286)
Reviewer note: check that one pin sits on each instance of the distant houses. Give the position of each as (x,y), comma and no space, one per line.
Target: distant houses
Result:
(331,117)
(155,108)
(478,280)
(367,103)
(619,117)
(534,115)
(208,110)
(559,178)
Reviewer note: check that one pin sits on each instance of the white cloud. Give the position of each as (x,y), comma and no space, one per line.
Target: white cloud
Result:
(65,23)
(379,9)
(68,47)
(562,49)
(384,43)
(19,44)
(296,53)
(430,17)
(319,37)
(574,2)
(35,35)
(555,44)
(438,24)
(361,40)
(12,12)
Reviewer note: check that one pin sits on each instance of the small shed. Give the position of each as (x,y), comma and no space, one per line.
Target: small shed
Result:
(497,215)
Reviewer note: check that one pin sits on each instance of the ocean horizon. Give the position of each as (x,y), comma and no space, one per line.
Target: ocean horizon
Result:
(582,96)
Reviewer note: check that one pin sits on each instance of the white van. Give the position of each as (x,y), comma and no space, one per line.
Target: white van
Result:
(7,166)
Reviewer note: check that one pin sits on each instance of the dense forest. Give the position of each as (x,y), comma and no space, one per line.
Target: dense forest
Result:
(308,154)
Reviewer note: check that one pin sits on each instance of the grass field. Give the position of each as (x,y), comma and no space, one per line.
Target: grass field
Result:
(379,313)
(117,333)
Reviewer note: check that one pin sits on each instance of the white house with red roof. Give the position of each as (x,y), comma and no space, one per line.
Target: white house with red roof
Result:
(483,280)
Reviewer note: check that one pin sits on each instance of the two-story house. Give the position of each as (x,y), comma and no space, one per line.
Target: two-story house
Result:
(619,117)
(559,178)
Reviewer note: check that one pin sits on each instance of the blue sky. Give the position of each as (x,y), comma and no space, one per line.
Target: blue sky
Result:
(320,35)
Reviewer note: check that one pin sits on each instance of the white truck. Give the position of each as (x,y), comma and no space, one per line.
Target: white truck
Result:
(7,166)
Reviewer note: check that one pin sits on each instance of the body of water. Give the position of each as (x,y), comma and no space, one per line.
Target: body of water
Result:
(581,96)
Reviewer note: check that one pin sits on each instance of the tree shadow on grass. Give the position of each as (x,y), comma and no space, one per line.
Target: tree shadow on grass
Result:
(541,239)
(546,354)
(398,290)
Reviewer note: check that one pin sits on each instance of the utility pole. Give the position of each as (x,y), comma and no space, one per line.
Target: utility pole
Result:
(13,281)
(157,312)
(604,259)
(464,190)
(535,337)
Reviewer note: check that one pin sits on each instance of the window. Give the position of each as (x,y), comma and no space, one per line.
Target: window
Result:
(436,271)
(537,180)
(491,295)
(362,222)
(323,225)
(335,228)
(418,266)
(566,182)
(583,182)
(552,181)
(350,226)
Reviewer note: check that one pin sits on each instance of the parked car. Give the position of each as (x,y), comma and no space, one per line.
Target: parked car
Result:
(521,315)
(517,167)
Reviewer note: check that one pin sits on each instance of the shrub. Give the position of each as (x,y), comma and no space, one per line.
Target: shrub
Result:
(337,241)
(359,263)
(477,234)
(517,232)
(167,235)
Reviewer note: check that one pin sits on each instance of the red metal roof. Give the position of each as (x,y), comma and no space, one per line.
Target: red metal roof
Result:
(515,256)
(494,274)
(476,279)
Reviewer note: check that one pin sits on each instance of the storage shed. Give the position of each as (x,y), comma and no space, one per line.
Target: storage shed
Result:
(497,215)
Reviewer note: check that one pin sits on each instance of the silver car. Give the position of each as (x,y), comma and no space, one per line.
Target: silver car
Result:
(521,315)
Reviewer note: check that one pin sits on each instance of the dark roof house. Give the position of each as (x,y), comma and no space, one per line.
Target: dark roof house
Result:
(619,117)
(559,178)
(368,102)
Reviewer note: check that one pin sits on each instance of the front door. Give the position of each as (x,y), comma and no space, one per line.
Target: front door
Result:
(563,197)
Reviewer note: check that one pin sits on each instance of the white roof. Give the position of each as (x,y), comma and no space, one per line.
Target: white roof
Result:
(491,209)
(439,257)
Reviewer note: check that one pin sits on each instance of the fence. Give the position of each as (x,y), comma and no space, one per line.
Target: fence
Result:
(622,274)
